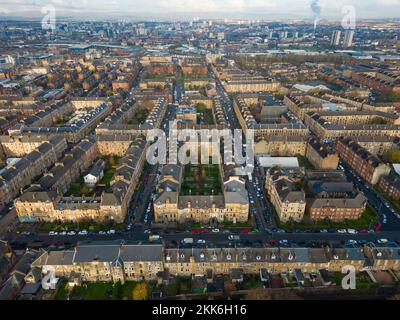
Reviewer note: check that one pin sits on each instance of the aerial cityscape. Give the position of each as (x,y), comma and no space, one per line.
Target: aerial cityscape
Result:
(180,150)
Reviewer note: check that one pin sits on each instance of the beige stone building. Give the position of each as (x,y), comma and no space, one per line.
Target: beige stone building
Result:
(21,174)
(247,121)
(46,201)
(171,206)
(322,155)
(221,261)
(383,257)
(288,199)
(109,263)
(281,146)
(328,124)
(113,263)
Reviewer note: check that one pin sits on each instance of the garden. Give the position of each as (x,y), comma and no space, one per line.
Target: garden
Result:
(201,180)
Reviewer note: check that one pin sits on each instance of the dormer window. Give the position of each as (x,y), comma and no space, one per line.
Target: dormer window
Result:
(229,257)
(201,255)
(290,257)
(214,256)
(244,256)
(273,257)
(168,258)
(182,256)
(258,257)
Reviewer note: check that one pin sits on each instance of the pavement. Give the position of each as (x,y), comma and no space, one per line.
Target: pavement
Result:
(260,210)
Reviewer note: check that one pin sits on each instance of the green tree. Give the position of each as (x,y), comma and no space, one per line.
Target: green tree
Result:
(141,291)
(392,156)
(85,190)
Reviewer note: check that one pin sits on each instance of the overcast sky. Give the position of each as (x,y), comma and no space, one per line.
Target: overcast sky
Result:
(186,9)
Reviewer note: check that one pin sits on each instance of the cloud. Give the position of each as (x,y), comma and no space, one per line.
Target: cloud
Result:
(220,8)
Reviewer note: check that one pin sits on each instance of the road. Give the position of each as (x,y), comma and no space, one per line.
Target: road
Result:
(375,200)
(260,208)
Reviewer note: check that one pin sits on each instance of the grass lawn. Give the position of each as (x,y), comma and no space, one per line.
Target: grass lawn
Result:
(73,226)
(104,291)
(107,178)
(201,180)
(184,285)
(291,285)
(367,221)
(208,117)
(77,187)
(111,165)
(303,162)
(62,291)
(251,281)
(363,281)
(140,115)
(206,113)
(336,277)
(94,291)
(171,290)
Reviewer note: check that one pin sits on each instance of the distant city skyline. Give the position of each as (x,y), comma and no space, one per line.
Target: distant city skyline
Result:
(211,9)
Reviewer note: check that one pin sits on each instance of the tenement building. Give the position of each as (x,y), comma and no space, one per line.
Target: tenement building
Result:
(112,262)
(331,197)
(285,124)
(128,262)
(366,165)
(332,124)
(171,205)
(322,155)
(46,201)
(288,199)
(15,177)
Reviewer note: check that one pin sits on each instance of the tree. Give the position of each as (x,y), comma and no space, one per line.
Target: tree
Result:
(203,171)
(112,161)
(148,104)
(85,190)
(141,291)
(392,156)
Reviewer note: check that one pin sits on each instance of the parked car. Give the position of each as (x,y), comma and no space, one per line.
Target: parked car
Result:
(378,227)
(382,241)
(273,242)
(234,237)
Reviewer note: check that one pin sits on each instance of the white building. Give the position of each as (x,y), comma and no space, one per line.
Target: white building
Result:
(95,174)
